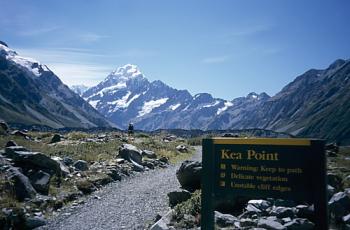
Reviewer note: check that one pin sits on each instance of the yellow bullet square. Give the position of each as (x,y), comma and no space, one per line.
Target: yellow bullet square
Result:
(222,175)
(222,183)
(222,166)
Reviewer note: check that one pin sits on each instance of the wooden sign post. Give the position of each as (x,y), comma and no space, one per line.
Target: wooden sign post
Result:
(293,169)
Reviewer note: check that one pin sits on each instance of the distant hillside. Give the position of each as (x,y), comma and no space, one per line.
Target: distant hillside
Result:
(31,94)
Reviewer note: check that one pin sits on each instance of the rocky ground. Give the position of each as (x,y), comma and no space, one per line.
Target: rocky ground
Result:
(129,204)
(47,177)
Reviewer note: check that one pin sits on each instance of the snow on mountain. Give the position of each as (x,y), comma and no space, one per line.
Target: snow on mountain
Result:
(150,105)
(79,89)
(29,64)
(127,96)
(31,94)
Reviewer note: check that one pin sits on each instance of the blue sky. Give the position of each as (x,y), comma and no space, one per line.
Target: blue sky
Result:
(227,48)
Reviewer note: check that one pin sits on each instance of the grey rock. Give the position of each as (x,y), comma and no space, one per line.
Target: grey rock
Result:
(131,154)
(189,175)
(41,182)
(19,134)
(339,204)
(32,160)
(252,208)
(163,223)
(20,184)
(346,219)
(335,181)
(68,161)
(81,165)
(304,211)
(149,154)
(330,191)
(10,143)
(64,169)
(260,204)
(34,222)
(3,127)
(247,222)
(114,174)
(270,224)
(224,220)
(182,148)
(56,138)
(177,197)
(300,224)
(283,212)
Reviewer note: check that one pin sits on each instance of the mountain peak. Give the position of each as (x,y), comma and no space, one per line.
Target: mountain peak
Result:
(337,63)
(3,43)
(127,71)
(29,64)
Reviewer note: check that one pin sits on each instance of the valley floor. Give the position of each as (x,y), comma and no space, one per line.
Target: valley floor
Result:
(129,204)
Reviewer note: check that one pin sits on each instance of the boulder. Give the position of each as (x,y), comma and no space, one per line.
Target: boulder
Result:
(64,169)
(305,211)
(130,153)
(56,138)
(260,204)
(10,143)
(346,219)
(247,222)
(224,220)
(68,161)
(35,222)
(177,197)
(339,204)
(299,224)
(3,127)
(330,191)
(81,165)
(335,181)
(189,175)
(149,154)
(182,148)
(162,223)
(19,134)
(41,182)
(282,212)
(133,155)
(270,224)
(20,184)
(32,160)
(114,174)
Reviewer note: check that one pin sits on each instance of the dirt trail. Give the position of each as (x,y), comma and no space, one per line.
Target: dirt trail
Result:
(128,204)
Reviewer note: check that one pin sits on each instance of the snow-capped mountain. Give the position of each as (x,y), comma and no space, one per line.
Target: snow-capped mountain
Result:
(31,94)
(79,89)
(127,96)
(315,104)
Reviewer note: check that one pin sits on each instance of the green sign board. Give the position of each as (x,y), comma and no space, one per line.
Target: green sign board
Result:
(293,169)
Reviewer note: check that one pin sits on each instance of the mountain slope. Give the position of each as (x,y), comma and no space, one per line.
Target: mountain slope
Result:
(127,96)
(30,93)
(315,104)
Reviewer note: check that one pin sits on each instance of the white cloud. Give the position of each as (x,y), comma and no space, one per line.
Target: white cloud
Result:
(79,66)
(91,37)
(217,59)
(34,31)
(75,74)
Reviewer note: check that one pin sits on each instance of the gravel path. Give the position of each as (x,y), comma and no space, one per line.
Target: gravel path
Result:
(128,204)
